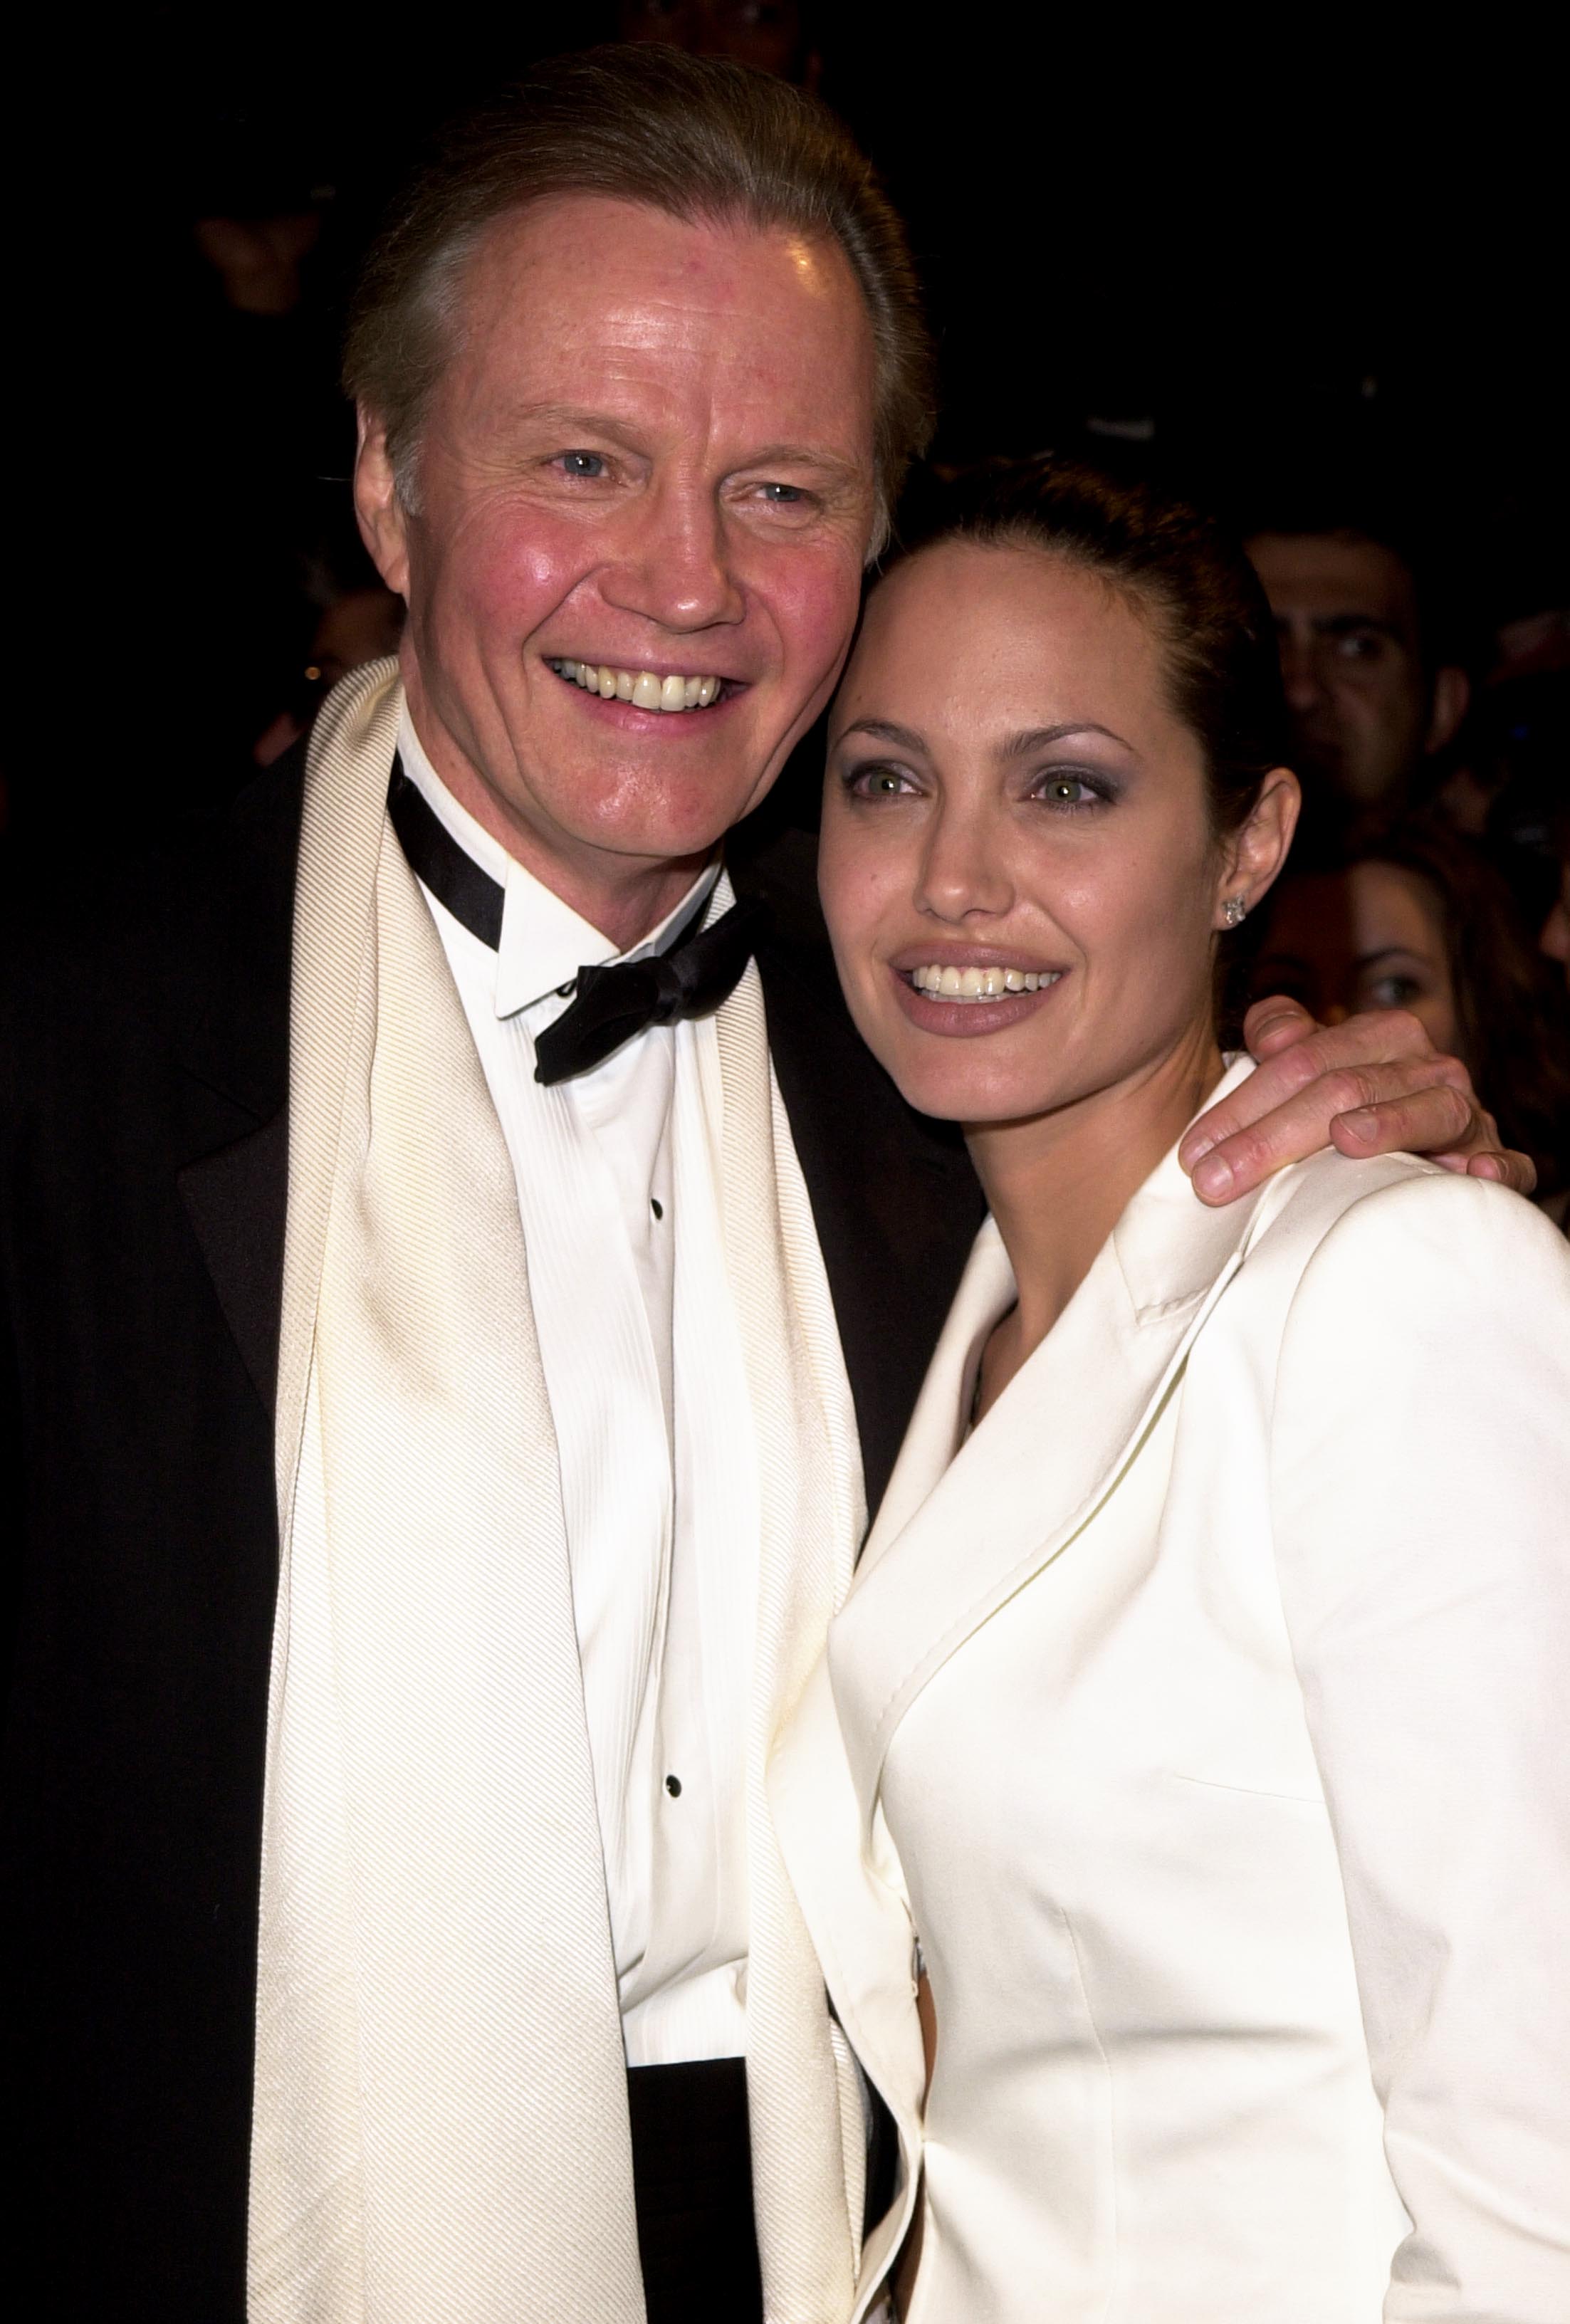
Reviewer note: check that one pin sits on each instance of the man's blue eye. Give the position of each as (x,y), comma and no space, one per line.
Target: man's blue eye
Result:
(784,491)
(583,464)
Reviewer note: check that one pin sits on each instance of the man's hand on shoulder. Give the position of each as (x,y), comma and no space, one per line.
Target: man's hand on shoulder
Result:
(1374,1084)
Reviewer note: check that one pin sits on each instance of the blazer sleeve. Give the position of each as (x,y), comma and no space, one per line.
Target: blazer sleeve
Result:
(1420,1458)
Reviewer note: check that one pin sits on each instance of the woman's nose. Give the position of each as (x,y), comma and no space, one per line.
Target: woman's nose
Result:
(676,569)
(965,867)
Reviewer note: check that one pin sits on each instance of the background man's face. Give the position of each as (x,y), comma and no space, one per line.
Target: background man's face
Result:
(1363,709)
(651,454)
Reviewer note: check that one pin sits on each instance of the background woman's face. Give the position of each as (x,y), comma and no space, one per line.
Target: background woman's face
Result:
(1370,937)
(1014,808)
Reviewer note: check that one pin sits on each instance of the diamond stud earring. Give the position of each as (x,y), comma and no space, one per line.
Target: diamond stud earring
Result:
(1234,911)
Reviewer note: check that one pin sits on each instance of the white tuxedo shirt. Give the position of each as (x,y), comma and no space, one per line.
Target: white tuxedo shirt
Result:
(659,1487)
(1206,1715)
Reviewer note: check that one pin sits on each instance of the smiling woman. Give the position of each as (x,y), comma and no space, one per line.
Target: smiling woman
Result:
(1053,787)
(1190,1725)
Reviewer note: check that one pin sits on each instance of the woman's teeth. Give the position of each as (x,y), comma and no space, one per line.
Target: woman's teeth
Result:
(980,983)
(641,688)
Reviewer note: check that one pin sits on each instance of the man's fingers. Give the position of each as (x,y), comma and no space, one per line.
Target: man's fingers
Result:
(1430,1119)
(1377,1041)
(1274,1025)
(1443,1125)
(1428,1114)
(1505,1166)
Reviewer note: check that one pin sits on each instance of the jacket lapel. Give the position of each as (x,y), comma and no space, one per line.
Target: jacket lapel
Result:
(962,1535)
(228,916)
(236,1202)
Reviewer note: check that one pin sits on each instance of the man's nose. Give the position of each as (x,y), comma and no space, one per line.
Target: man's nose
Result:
(965,870)
(1300,674)
(676,569)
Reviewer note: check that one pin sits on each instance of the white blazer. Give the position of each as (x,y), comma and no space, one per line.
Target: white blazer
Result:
(1206,1715)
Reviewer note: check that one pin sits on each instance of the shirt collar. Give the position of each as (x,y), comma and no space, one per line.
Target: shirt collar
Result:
(544,942)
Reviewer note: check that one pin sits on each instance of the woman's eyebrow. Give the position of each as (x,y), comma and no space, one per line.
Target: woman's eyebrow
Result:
(1036,738)
(884,730)
(1391,952)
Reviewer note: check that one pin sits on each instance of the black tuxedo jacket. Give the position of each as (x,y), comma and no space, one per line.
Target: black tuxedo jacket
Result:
(144,1081)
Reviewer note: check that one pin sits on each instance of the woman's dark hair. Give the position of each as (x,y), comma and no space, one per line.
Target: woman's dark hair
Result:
(1180,569)
(1514,1028)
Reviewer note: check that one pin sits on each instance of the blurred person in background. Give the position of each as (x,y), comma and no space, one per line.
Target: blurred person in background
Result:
(1375,688)
(1412,917)
(357,619)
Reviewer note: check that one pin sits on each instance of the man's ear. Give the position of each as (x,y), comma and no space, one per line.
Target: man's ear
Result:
(1452,693)
(1255,855)
(383,527)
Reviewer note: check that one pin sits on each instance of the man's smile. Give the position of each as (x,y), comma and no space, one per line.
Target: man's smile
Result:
(646,689)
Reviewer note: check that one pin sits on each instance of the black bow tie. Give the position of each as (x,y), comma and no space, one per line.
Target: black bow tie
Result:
(613,1003)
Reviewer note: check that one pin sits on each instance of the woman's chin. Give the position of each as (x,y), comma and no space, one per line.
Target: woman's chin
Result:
(966,1088)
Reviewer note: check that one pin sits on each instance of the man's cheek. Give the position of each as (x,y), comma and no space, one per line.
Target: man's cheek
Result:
(511,582)
(815,614)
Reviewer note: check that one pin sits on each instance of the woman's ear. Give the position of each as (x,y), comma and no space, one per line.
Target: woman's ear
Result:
(1255,852)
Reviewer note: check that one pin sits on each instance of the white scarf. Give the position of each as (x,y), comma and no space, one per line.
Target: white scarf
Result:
(441,2129)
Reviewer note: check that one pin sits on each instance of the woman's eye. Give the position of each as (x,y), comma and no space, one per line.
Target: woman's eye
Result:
(589,464)
(879,782)
(1068,792)
(1393,992)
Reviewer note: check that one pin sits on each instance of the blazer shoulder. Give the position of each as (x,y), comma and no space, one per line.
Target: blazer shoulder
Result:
(1400,1256)
(1313,1197)
(1412,1228)
(1397,1198)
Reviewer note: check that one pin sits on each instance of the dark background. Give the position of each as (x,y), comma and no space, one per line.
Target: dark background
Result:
(1211,243)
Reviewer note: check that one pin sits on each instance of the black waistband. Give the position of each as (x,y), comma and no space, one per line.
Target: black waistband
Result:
(692,2164)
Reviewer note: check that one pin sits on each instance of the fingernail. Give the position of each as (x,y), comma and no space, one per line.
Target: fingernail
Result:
(1191,1149)
(1363,1123)
(1214,1175)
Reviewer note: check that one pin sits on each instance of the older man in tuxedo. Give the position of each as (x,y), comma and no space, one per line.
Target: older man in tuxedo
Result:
(463,1284)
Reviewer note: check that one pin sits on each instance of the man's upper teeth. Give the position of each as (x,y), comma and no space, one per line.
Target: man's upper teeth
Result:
(980,983)
(645,690)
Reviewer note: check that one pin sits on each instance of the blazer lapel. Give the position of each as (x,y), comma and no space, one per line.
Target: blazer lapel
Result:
(960,1540)
(236,1200)
(226,996)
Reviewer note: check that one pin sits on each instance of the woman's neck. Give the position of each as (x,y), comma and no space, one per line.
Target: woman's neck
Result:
(1057,1184)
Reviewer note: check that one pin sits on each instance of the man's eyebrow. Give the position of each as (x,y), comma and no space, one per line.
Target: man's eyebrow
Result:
(1342,625)
(566,419)
(805,455)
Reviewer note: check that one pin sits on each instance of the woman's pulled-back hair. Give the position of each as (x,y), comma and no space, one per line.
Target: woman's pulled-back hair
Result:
(1181,572)
(696,137)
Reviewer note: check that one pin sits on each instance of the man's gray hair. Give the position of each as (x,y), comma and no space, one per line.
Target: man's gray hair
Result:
(694,137)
